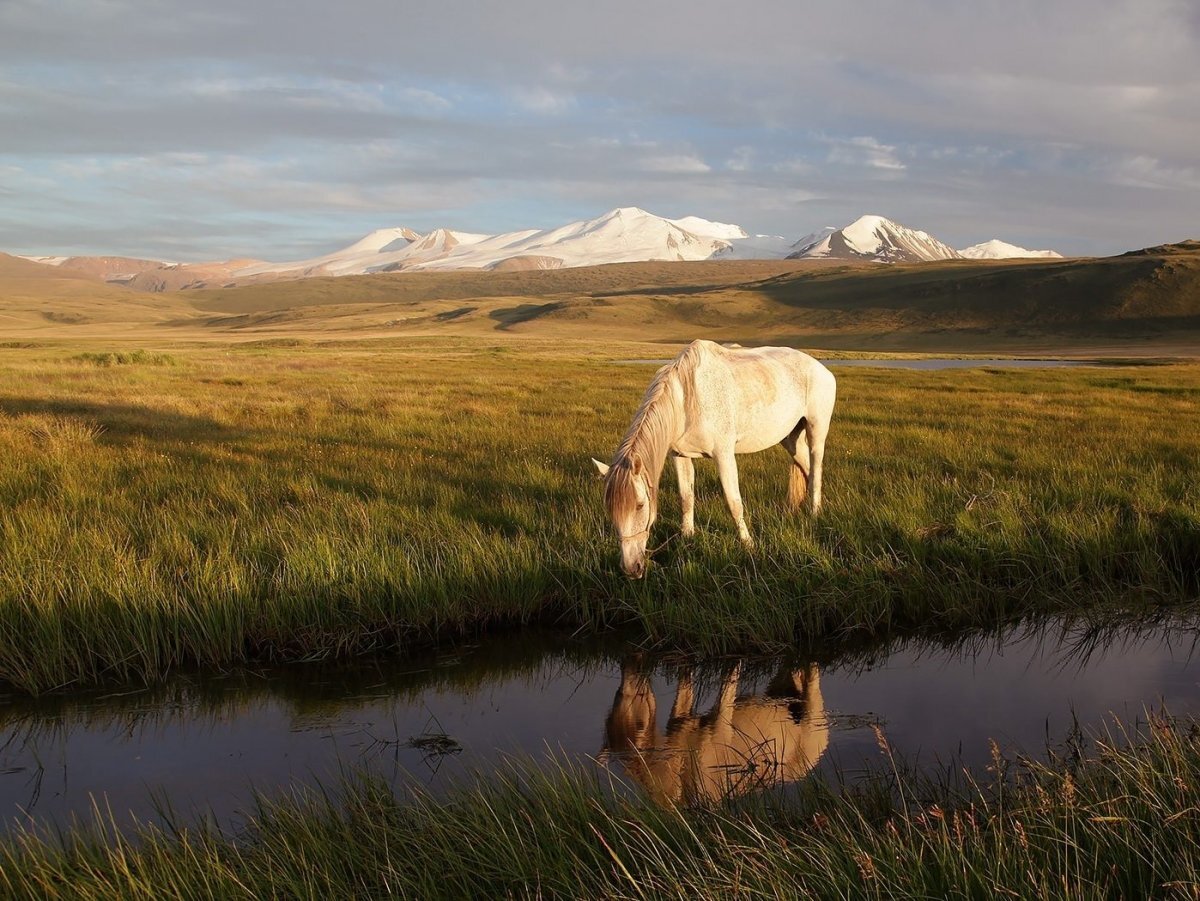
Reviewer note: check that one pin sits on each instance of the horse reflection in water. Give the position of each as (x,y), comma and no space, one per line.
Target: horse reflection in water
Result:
(741,744)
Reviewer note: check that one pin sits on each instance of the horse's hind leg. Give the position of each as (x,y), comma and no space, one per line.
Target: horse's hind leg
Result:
(795,687)
(796,447)
(816,431)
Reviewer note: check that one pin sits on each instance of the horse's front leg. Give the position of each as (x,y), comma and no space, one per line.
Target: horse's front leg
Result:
(722,715)
(685,697)
(728,473)
(685,475)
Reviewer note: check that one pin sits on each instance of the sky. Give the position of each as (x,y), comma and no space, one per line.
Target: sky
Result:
(281,130)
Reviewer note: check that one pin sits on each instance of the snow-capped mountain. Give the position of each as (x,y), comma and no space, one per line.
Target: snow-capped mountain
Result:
(49,261)
(876,238)
(812,239)
(623,235)
(382,250)
(996,249)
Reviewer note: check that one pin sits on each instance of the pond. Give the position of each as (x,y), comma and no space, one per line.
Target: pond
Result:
(932,364)
(200,747)
(928,364)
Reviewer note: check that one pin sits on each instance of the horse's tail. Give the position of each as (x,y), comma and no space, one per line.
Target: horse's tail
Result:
(797,486)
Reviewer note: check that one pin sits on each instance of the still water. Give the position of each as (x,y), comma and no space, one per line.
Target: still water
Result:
(960,364)
(200,746)
(929,364)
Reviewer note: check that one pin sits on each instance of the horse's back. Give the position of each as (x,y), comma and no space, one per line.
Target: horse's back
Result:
(758,394)
(753,364)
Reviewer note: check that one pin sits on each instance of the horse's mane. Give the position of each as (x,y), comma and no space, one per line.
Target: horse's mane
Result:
(649,436)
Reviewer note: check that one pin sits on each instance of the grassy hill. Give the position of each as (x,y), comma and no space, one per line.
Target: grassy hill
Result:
(1141,298)
(36,299)
(1147,295)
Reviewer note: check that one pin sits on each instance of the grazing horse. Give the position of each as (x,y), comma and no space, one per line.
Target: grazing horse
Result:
(743,743)
(714,401)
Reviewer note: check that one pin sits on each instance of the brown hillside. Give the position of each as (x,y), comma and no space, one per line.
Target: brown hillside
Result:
(15,267)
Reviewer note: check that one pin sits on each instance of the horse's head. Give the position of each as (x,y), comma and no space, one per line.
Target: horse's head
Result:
(631,500)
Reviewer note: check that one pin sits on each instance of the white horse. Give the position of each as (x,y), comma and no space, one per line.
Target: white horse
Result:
(714,401)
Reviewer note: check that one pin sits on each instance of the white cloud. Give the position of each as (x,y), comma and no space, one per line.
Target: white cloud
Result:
(544,101)
(1147,172)
(429,100)
(794,166)
(741,159)
(864,151)
(679,163)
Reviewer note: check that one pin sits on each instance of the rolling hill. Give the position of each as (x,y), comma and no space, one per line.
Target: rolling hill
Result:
(1140,299)
(39,298)
(1152,295)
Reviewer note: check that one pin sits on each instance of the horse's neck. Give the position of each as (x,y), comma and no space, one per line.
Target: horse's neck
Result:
(655,428)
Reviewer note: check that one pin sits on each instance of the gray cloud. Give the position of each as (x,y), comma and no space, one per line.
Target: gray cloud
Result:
(1064,123)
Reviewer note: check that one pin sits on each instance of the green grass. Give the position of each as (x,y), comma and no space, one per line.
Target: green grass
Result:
(259,502)
(1113,818)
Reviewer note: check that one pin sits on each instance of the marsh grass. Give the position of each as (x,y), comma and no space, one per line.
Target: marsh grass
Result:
(317,501)
(1112,816)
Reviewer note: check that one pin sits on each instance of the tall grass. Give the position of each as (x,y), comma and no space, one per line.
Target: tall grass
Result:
(1117,818)
(140,356)
(316,501)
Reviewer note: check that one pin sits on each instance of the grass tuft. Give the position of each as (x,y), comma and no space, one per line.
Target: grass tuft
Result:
(126,358)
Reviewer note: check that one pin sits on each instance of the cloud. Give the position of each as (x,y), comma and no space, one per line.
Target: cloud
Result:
(543,100)
(680,163)
(741,159)
(1029,116)
(1148,172)
(864,151)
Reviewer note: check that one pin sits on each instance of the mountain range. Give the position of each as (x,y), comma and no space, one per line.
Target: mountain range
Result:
(626,234)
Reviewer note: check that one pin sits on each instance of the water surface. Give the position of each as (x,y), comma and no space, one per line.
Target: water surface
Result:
(927,364)
(200,745)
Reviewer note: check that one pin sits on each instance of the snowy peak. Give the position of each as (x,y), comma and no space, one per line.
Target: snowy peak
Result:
(47,261)
(382,250)
(722,230)
(441,240)
(626,234)
(878,239)
(812,239)
(996,249)
(382,239)
(622,235)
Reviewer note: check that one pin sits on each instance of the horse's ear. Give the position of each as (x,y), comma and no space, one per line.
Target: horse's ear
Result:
(637,466)
(601,467)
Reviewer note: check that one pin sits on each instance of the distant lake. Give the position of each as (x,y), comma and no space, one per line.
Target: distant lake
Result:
(939,363)
(932,363)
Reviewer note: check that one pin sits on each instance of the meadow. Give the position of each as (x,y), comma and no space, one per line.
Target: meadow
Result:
(200,505)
